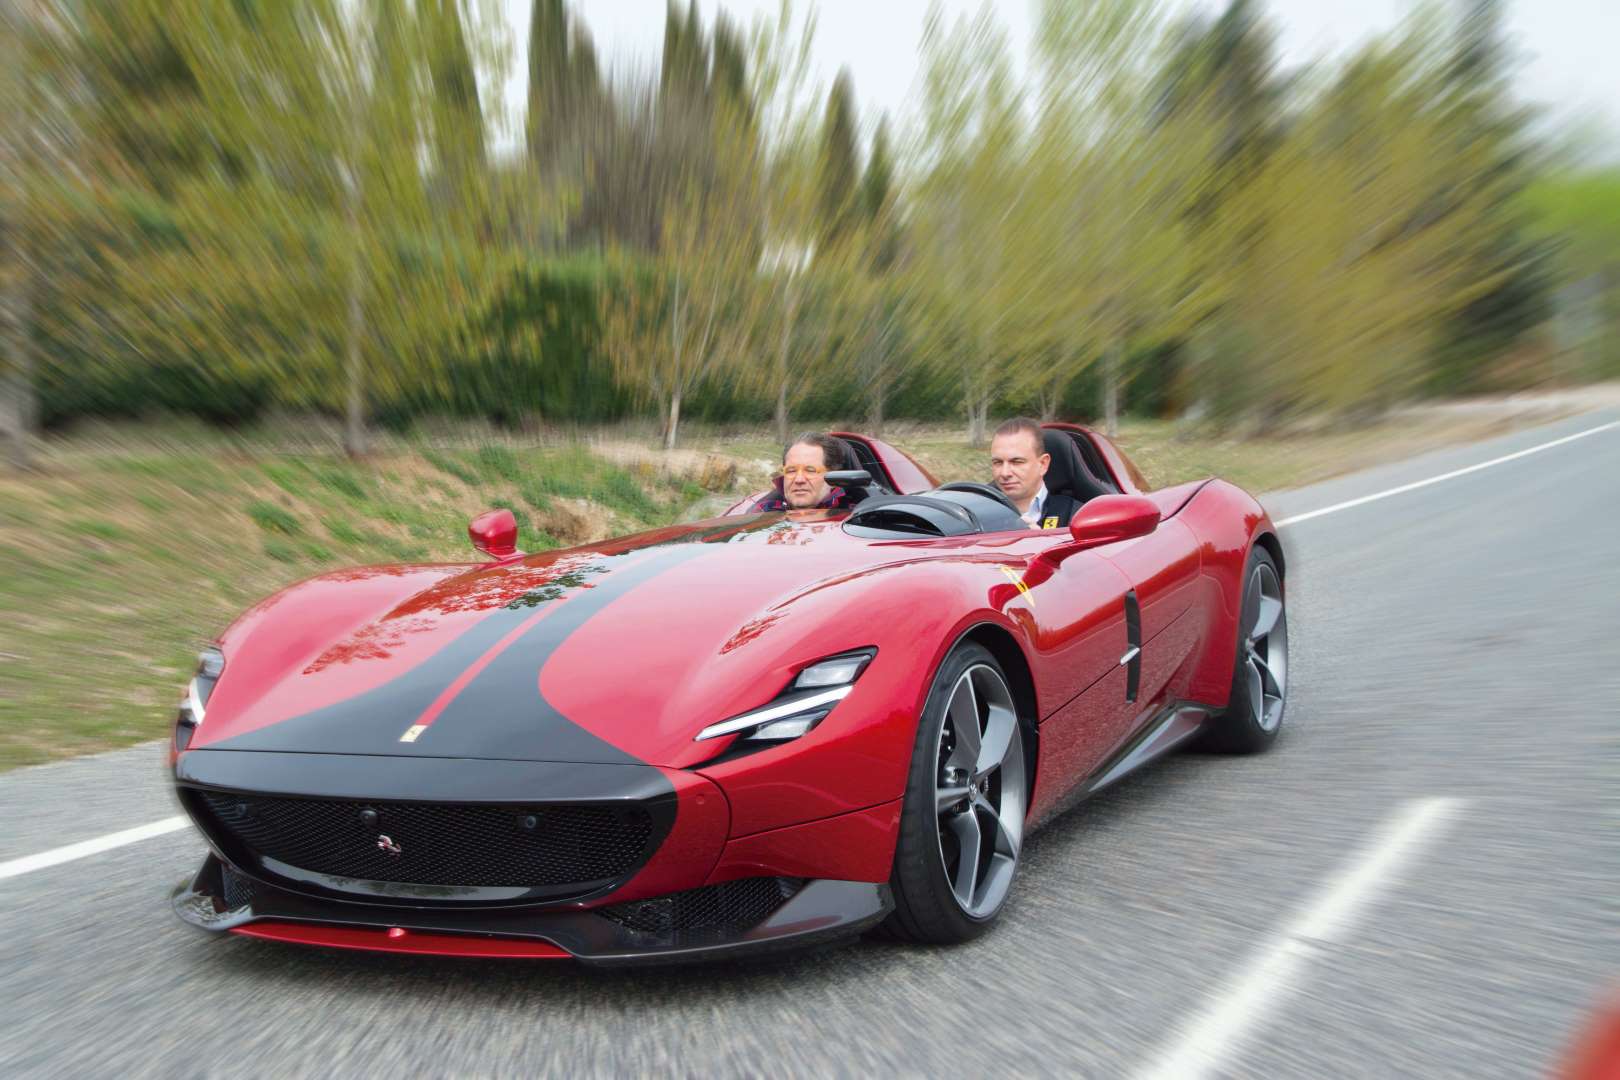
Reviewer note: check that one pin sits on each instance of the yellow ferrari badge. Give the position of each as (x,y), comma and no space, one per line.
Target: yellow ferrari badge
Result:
(1018,580)
(1049,523)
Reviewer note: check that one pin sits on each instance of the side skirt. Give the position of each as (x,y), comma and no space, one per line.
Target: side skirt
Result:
(1163,732)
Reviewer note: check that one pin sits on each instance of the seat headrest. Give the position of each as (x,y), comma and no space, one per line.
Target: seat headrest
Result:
(1067,473)
(1065,464)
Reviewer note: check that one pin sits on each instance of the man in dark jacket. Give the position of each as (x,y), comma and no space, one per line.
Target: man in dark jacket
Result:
(1018,464)
(802,484)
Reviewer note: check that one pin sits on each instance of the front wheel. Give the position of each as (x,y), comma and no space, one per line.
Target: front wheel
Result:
(1254,710)
(962,823)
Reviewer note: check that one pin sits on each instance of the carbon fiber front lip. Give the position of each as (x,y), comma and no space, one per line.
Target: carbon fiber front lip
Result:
(821,911)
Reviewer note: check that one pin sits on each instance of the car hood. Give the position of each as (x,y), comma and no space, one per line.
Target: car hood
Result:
(618,652)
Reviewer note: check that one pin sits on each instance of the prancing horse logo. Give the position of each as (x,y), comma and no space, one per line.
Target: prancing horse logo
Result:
(388,845)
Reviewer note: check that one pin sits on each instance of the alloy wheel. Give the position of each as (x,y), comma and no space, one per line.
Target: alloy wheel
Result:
(979,791)
(1266,648)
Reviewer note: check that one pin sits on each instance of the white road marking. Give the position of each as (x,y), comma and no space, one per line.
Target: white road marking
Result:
(1208,1043)
(1453,474)
(85,848)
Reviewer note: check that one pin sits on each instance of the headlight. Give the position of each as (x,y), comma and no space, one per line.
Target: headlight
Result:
(808,698)
(210,665)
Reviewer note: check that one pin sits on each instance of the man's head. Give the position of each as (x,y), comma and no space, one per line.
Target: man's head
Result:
(1018,460)
(805,465)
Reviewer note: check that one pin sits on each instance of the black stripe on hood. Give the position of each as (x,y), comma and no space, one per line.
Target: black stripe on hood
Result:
(501,712)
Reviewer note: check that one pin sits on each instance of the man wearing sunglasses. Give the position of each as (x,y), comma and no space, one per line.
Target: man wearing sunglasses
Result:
(802,484)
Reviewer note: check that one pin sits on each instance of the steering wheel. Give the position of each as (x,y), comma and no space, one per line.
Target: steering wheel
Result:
(989,491)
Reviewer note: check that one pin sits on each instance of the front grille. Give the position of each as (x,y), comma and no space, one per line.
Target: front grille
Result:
(711,911)
(444,844)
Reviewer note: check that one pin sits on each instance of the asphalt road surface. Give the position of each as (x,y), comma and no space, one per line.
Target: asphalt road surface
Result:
(1421,879)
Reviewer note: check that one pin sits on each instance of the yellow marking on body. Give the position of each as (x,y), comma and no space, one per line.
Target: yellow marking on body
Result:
(1014,577)
(412,732)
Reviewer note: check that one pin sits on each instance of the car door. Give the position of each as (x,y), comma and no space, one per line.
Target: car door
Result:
(1075,619)
(1163,570)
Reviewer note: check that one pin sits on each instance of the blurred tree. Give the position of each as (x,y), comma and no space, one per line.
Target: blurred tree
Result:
(784,308)
(1222,79)
(874,299)
(458,158)
(1371,240)
(838,169)
(550,80)
(671,324)
(567,103)
(969,155)
(1109,267)
(1575,211)
(1486,137)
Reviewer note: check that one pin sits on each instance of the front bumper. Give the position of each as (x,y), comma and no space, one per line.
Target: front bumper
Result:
(218,898)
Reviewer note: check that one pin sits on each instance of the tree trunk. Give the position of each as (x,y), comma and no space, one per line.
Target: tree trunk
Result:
(1049,398)
(978,418)
(673,426)
(17,413)
(354,413)
(354,417)
(874,412)
(1111,390)
(17,410)
(789,316)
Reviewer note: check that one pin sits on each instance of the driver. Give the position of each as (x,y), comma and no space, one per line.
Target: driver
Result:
(802,484)
(1018,462)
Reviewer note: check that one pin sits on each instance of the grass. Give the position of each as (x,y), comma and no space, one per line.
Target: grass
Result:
(273,519)
(116,567)
(123,556)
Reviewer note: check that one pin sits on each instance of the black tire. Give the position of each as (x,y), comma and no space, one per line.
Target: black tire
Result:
(927,909)
(1242,728)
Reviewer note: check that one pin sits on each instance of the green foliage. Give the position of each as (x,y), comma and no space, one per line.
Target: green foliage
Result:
(447,464)
(281,551)
(101,530)
(498,463)
(286,477)
(340,480)
(343,532)
(578,474)
(229,210)
(273,519)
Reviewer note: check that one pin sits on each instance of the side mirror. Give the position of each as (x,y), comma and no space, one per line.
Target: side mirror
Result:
(1106,519)
(495,534)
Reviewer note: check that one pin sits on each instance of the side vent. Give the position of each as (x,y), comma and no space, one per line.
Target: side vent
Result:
(1133,640)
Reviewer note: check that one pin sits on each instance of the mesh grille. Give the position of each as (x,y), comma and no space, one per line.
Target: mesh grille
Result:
(440,844)
(729,907)
(238,889)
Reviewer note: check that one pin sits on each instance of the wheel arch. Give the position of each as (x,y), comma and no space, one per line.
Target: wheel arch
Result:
(1002,645)
(1273,547)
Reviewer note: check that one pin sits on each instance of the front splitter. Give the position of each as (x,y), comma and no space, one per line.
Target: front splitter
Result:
(823,910)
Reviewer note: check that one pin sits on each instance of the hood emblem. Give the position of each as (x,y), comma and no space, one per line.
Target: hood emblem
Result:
(388,845)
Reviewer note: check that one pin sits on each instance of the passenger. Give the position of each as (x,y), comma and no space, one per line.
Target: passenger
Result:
(802,484)
(1018,462)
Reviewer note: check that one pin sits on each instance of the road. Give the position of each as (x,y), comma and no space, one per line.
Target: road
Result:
(1456,656)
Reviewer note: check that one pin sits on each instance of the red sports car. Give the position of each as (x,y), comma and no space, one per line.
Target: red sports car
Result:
(711,739)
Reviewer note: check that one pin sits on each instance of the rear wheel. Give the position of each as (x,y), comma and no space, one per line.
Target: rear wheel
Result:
(962,823)
(1259,695)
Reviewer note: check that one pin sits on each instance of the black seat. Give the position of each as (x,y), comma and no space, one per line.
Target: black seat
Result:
(852,460)
(1067,474)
